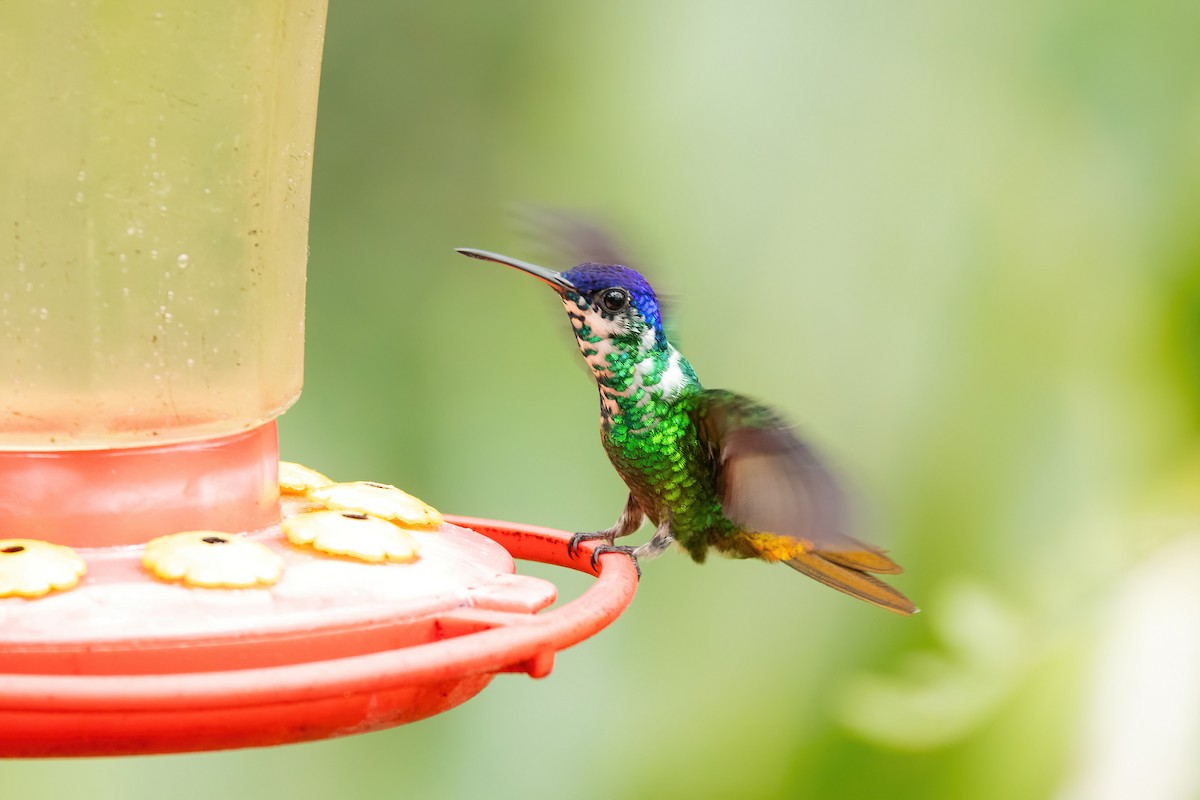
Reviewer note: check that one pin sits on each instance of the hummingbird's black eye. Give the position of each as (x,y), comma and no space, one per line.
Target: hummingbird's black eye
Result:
(614,299)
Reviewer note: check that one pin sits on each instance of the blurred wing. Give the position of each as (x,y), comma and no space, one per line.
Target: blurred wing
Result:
(770,481)
(571,238)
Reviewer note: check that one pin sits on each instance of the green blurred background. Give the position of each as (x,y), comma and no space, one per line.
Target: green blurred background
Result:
(957,243)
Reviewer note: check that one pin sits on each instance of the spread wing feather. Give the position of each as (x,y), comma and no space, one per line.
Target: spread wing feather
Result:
(768,479)
(772,482)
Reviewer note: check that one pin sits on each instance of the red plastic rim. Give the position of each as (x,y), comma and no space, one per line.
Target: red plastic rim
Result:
(61,715)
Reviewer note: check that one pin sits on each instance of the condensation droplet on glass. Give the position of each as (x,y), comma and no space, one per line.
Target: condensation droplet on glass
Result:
(154,254)
(182,260)
(216,312)
(82,176)
(79,197)
(125,291)
(191,362)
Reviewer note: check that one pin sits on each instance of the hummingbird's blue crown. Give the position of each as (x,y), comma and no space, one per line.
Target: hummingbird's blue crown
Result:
(591,277)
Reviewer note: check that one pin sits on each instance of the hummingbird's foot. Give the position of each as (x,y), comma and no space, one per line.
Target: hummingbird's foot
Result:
(629,521)
(615,548)
(580,538)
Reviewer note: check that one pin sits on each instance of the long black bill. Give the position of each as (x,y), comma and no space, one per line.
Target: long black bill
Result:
(548,276)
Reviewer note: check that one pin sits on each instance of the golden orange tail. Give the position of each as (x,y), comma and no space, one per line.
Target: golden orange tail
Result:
(845,565)
(848,572)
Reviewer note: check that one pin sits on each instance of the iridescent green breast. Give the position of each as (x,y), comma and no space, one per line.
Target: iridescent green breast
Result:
(655,449)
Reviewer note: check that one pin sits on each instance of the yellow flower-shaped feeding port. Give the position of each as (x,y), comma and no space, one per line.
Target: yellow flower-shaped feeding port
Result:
(351,534)
(298,479)
(32,568)
(378,500)
(212,560)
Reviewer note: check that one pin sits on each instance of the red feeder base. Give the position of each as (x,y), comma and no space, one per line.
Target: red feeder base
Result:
(322,672)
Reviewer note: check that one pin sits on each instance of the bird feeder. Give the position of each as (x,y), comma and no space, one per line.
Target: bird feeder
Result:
(163,588)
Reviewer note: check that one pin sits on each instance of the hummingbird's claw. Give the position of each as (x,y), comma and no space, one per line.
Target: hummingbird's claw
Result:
(613,548)
(580,538)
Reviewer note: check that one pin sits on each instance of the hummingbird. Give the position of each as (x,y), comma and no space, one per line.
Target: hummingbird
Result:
(710,469)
